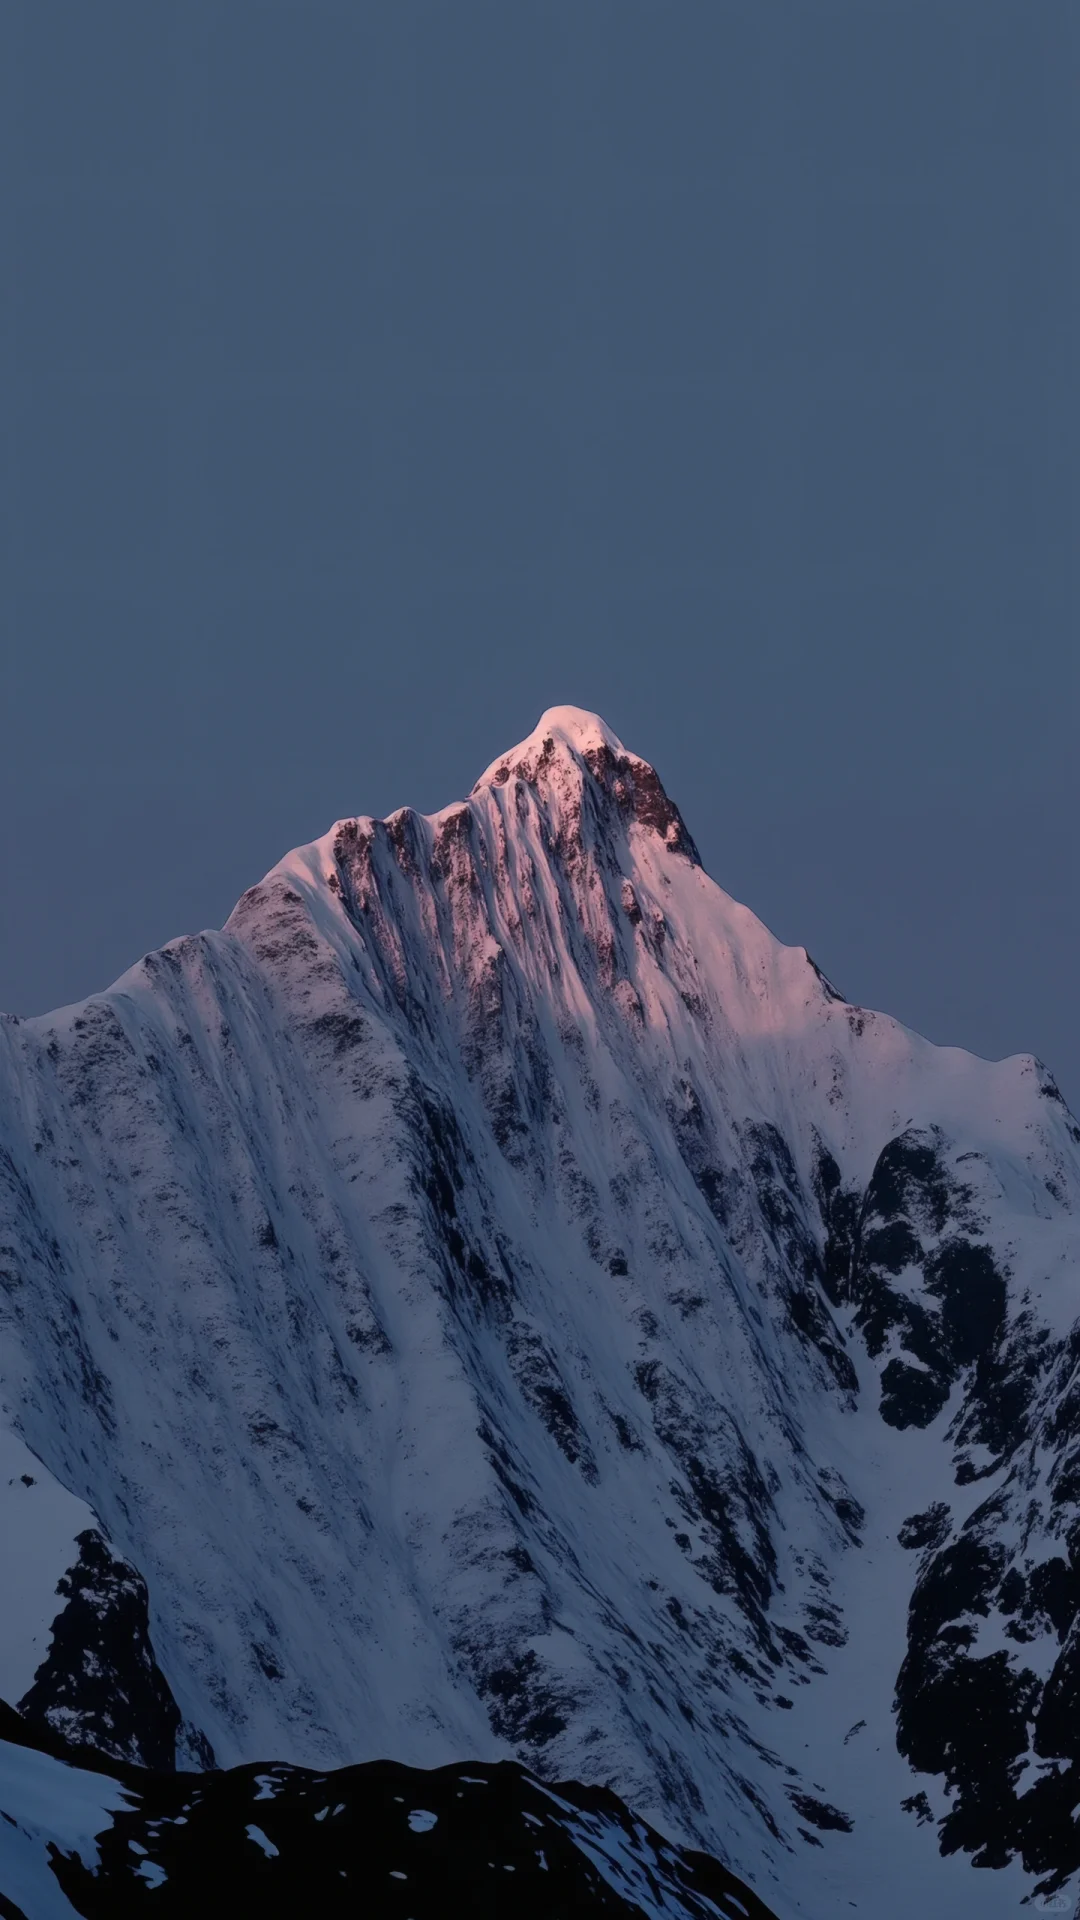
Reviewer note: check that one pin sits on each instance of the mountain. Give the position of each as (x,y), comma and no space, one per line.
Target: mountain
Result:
(122,1843)
(493,1301)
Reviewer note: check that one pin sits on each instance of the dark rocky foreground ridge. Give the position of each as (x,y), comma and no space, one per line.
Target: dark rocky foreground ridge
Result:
(386,1841)
(494,1299)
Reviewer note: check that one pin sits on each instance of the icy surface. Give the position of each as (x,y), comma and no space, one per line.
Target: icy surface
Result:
(505,1302)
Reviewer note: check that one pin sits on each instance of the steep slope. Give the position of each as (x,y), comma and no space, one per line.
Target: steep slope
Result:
(504,1303)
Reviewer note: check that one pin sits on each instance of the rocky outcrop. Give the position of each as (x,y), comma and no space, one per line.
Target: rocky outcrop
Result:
(381,1839)
(99,1684)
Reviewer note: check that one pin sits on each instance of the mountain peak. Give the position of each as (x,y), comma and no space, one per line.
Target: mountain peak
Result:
(567,727)
(570,747)
(494,1300)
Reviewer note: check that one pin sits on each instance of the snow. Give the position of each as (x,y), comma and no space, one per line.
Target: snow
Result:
(43,1801)
(258,1836)
(39,1524)
(622,1862)
(890,1866)
(570,727)
(393,1499)
(421,1821)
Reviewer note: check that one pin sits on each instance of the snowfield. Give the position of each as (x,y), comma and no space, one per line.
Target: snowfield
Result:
(503,1303)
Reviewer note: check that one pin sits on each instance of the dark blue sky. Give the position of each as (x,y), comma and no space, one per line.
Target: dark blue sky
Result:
(376,375)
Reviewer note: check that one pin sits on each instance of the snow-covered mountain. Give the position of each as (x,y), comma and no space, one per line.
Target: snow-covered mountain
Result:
(112,1842)
(502,1303)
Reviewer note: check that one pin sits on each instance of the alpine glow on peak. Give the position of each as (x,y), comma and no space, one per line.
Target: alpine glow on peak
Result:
(506,1304)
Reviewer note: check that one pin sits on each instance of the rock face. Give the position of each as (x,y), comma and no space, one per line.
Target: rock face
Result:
(505,1303)
(75,1650)
(99,1681)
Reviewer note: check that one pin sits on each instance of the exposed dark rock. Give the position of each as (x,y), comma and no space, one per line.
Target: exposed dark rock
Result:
(909,1220)
(100,1684)
(911,1396)
(919,1805)
(821,1814)
(638,792)
(491,1082)
(537,1374)
(927,1529)
(392,1842)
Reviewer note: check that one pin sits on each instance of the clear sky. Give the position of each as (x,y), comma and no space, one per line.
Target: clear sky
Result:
(376,375)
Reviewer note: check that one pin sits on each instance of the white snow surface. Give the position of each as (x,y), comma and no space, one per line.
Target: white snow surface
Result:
(43,1801)
(390,1271)
(39,1525)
